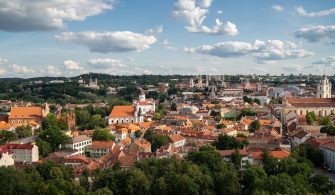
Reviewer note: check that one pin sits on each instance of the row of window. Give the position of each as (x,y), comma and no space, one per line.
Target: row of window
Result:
(85,143)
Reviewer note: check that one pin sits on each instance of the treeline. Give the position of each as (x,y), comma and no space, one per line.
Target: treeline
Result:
(201,172)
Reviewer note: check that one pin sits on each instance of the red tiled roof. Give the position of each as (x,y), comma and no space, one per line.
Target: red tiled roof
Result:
(175,138)
(312,102)
(225,153)
(278,154)
(25,112)
(101,144)
(122,111)
(330,146)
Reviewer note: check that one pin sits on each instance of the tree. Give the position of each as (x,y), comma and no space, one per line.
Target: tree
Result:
(174,106)
(225,142)
(96,122)
(44,148)
(253,178)
(82,117)
(138,133)
(102,135)
(311,117)
(257,101)
(236,159)
(24,131)
(327,121)
(328,129)
(155,139)
(6,136)
(54,136)
(321,184)
(221,126)
(157,116)
(254,126)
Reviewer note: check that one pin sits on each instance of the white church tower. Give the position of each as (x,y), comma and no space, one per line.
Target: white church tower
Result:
(324,88)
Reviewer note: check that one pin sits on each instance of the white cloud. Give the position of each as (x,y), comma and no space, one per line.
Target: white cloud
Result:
(21,69)
(302,12)
(194,13)
(154,31)
(219,12)
(72,65)
(327,61)
(167,46)
(293,68)
(52,70)
(2,71)
(3,61)
(105,42)
(277,8)
(262,50)
(42,15)
(103,63)
(315,33)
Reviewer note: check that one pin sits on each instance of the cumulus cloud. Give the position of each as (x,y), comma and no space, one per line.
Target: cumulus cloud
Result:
(41,15)
(315,33)
(2,71)
(154,31)
(194,13)
(219,12)
(277,8)
(302,12)
(326,61)
(105,42)
(53,70)
(103,63)
(72,65)
(19,69)
(292,68)
(167,46)
(269,50)
(3,61)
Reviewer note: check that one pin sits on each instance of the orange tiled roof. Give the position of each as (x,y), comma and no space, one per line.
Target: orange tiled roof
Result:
(25,112)
(278,154)
(176,138)
(122,111)
(143,143)
(126,141)
(101,144)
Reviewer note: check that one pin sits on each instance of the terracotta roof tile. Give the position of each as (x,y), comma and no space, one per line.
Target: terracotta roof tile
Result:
(25,112)
(101,144)
(175,138)
(122,111)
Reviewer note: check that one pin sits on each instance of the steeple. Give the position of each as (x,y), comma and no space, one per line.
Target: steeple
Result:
(141,97)
(324,88)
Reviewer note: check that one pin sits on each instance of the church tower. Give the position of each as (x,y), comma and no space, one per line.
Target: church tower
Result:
(324,88)
(141,97)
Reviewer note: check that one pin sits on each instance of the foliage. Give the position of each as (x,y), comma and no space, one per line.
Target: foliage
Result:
(254,126)
(155,139)
(138,133)
(321,184)
(310,118)
(221,126)
(24,131)
(174,106)
(44,148)
(306,151)
(330,130)
(7,136)
(246,112)
(103,135)
(225,142)
(327,121)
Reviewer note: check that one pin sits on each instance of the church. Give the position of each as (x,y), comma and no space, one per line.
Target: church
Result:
(140,109)
(322,105)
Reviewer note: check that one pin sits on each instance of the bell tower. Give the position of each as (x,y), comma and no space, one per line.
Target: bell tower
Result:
(324,88)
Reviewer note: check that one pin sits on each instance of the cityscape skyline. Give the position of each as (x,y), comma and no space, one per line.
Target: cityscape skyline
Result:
(69,38)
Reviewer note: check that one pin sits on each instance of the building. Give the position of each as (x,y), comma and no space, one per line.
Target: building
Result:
(124,114)
(328,151)
(324,88)
(6,158)
(140,145)
(79,143)
(25,153)
(245,160)
(144,106)
(33,116)
(100,148)
(177,140)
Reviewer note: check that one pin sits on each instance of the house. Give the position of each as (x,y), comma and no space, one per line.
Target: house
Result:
(100,148)
(177,140)
(140,145)
(79,143)
(277,154)
(121,134)
(6,158)
(124,114)
(245,160)
(33,116)
(25,153)
(300,137)
(328,151)
(143,105)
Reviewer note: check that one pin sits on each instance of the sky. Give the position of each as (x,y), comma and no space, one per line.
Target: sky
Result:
(127,37)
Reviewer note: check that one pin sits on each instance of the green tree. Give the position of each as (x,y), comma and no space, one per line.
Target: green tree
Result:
(254,126)
(102,135)
(44,148)
(311,117)
(225,142)
(24,131)
(7,136)
(253,178)
(96,122)
(321,184)
(220,126)
(138,133)
(327,121)
(174,106)
(54,136)
(236,159)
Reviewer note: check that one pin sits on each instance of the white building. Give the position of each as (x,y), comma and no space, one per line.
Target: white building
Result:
(6,158)
(328,151)
(324,88)
(124,114)
(144,105)
(177,140)
(25,153)
(100,148)
(79,143)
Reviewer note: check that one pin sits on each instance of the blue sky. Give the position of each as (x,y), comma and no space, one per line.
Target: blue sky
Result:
(70,37)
